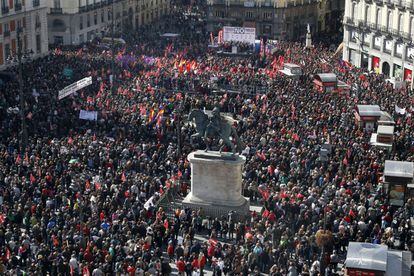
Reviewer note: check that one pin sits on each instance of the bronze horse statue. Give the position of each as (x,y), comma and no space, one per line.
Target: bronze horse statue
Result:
(213,127)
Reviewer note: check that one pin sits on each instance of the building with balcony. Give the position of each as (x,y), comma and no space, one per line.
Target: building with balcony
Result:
(283,19)
(24,21)
(78,21)
(378,36)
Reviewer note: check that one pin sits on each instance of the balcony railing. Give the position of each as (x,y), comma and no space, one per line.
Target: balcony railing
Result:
(6,33)
(55,10)
(349,21)
(409,5)
(83,9)
(18,6)
(4,10)
(36,3)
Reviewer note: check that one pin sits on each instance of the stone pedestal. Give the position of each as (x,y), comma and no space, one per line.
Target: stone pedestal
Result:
(308,43)
(216,184)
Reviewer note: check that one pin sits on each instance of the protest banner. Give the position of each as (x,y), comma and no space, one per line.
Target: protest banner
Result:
(88,115)
(70,89)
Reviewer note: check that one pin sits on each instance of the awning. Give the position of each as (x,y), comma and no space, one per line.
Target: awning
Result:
(326,77)
(366,256)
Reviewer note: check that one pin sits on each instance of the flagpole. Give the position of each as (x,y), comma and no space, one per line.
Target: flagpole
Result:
(113,47)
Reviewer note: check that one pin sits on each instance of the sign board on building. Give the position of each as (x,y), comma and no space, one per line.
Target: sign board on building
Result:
(240,34)
(377,41)
(70,89)
(388,45)
(399,49)
(410,52)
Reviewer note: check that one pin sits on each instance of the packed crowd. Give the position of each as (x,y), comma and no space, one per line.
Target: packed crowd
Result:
(79,198)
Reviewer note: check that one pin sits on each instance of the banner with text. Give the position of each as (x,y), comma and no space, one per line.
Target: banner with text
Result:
(240,34)
(88,115)
(70,89)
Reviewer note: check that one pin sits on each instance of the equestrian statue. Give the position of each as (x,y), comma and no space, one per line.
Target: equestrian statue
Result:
(215,126)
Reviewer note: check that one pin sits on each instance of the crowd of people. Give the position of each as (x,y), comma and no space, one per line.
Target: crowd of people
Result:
(80,197)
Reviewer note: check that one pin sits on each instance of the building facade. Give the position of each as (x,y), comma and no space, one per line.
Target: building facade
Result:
(25,21)
(378,36)
(78,21)
(284,19)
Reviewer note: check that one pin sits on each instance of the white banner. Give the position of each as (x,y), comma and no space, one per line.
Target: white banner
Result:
(88,115)
(241,34)
(399,110)
(70,89)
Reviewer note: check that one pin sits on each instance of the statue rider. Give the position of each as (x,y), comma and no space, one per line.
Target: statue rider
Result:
(215,121)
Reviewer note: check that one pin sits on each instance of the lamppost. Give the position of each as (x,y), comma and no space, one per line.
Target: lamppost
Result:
(19,59)
(178,114)
(113,46)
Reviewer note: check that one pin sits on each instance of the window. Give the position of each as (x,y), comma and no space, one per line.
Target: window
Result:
(267,15)
(6,27)
(353,11)
(4,4)
(95,18)
(400,22)
(38,43)
(411,26)
(378,17)
(109,15)
(7,50)
(102,17)
(88,20)
(366,16)
(56,3)
(249,15)
(81,22)
(37,21)
(389,20)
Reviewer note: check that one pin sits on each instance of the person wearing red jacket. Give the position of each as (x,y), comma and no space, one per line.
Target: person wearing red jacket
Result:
(201,262)
(180,266)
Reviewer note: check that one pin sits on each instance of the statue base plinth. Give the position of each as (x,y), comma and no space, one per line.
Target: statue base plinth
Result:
(216,184)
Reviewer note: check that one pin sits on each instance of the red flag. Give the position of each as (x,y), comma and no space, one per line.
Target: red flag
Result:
(87,185)
(70,141)
(2,218)
(123,177)
(345,161)
(265,193)
(8,254)
(261,155)
(85,271)
(32,178)
(26,157)
(18,159)
(97,186)
(179,174)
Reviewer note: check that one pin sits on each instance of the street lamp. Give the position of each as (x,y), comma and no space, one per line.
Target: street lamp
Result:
(26,54)
(113,46)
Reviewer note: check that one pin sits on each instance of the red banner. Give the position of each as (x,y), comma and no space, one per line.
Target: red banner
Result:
(375,62)
(408,75)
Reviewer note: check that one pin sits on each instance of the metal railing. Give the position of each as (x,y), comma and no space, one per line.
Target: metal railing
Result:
(55,10)
(83,9)
(36,3)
